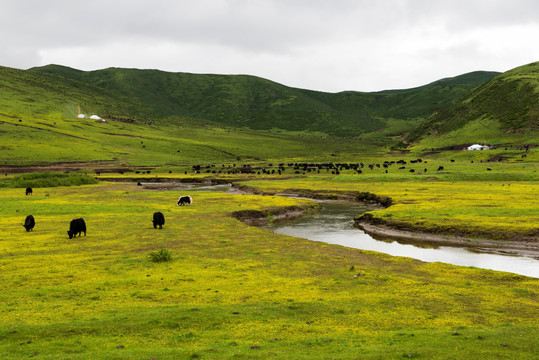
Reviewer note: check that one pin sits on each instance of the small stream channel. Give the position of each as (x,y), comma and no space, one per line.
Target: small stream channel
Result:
(335,225)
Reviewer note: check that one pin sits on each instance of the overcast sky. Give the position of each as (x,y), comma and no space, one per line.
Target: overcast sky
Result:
(327,45)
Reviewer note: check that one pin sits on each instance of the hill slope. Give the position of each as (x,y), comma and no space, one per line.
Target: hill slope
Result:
(505,107)
(179,118)
(27,92)
(256,103)
(39,125)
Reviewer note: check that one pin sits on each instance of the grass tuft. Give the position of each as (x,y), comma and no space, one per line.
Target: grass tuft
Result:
(162,255)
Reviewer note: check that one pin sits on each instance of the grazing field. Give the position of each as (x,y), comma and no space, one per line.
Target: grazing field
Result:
(487,200)
(207,285)
(232,291)
(32,139)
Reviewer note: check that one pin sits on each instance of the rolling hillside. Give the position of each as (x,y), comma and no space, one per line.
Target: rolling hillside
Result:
(179,118)
(503,109)
(256,103)
(39,125)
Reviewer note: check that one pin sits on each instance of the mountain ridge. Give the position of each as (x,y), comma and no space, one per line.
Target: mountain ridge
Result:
(258,103)
(155,117)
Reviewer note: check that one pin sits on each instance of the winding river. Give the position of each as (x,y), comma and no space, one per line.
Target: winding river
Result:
(335,225)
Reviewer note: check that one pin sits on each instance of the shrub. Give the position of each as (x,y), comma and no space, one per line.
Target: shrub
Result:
(160,256)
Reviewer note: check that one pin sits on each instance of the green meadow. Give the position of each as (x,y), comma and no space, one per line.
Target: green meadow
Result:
(462,199)
(233,291)
(208,286)
(126,144)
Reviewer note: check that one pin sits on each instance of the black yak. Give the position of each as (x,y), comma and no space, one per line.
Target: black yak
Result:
(29,223)
(29,191)
(76,226)
(158,220)
(184,200)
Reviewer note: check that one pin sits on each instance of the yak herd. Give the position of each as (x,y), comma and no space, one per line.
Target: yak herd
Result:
(298,168)
(78,226)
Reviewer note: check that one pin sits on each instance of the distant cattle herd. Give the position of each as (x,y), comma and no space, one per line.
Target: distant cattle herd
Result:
(328,167)
(298,168)
(78,226)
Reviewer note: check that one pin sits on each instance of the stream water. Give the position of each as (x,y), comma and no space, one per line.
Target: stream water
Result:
(335,225)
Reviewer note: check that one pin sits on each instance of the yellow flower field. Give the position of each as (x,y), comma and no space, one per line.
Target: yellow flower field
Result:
(232,290)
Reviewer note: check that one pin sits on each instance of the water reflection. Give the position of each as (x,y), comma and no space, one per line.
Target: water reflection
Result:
(335,225)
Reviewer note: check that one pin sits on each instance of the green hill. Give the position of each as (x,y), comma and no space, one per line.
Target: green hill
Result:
(503,109)
(256,103)
(180,118)
(39,125)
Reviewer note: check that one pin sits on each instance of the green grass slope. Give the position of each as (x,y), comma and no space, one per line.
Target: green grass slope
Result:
(503,110)
(248,101)
(178,119)
(39,124)
(29,93)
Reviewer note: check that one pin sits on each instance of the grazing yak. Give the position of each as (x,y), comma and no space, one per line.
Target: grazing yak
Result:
(28,191)
(184,200)
(158,220)
(29,223)
(76,226)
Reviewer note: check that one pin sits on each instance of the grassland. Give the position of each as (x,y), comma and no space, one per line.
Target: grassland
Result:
(237,292)
(23,139)
(463,199)
(232,291)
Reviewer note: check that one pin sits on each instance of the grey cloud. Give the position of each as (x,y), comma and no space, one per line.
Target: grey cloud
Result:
(309,42)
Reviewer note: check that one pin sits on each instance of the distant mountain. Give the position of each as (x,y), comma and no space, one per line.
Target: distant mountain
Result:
(256,103)
(508,103)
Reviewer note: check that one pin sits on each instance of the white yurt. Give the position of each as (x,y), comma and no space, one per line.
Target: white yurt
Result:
(475,147)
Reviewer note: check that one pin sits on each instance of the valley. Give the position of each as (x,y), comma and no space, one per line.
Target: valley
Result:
(234,291)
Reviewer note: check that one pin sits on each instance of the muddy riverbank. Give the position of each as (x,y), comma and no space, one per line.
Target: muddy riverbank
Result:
(265,216)
(517,248)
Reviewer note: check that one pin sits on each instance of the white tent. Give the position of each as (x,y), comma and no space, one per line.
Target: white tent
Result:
(95,117)
(477,147)
(81,116)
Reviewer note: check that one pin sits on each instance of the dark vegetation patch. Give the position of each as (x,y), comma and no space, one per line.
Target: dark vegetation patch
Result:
(47,179)
(124,120)
(46,124)
(125,135)
(325,195)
